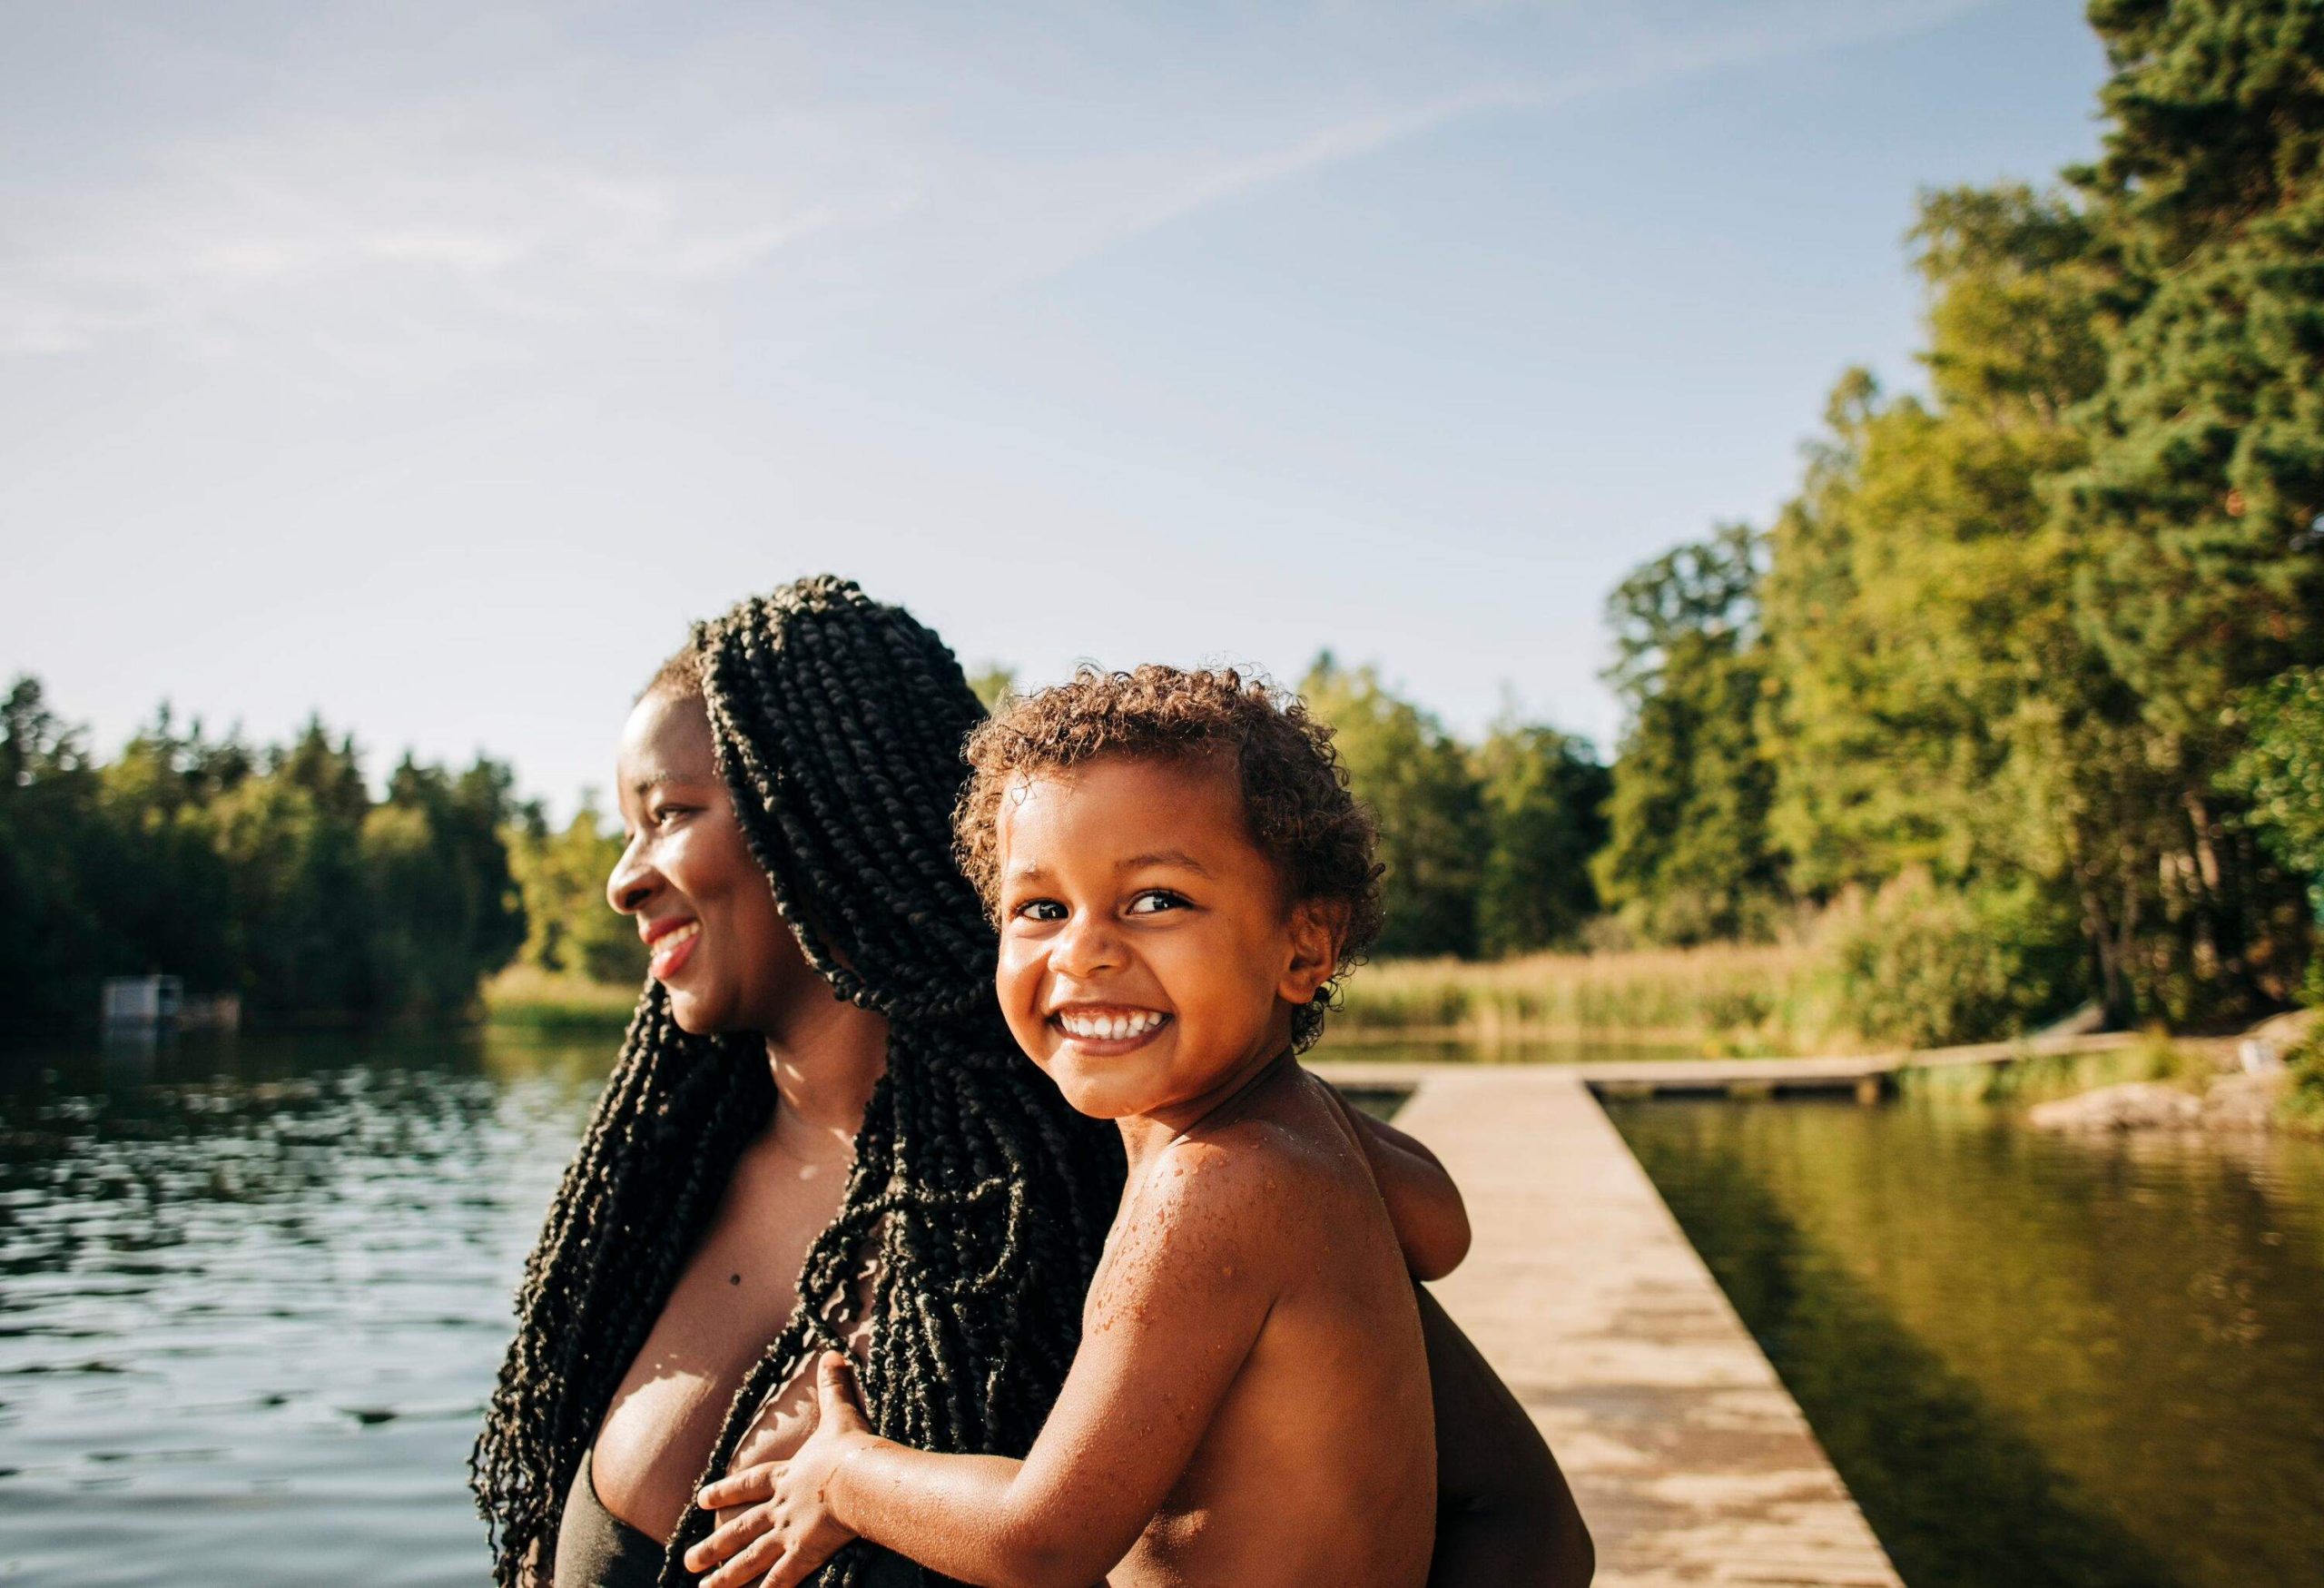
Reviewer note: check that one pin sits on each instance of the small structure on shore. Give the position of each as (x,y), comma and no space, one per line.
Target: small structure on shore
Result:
(130,1002)
(156,1003)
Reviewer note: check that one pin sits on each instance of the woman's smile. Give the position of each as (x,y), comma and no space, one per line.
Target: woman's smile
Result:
(670,944)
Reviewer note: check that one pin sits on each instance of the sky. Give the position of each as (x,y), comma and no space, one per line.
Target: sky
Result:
(431,367)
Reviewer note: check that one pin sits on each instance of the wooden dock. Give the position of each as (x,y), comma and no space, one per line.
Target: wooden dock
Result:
(1690,1461)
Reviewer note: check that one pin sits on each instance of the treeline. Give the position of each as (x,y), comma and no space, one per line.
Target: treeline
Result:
(270,871)
(2024,674)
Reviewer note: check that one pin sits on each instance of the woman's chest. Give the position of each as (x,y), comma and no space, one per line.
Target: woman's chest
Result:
(731,1300)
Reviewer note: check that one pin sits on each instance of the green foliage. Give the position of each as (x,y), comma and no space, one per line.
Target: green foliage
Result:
(569,928)
(2280,771)
(1688,856)
(1952,686)
(993,682)
(1925,966)
(1416,780)
(1544,795)
(2303,1102)
(273,875)
(2200,566)
(2282,767)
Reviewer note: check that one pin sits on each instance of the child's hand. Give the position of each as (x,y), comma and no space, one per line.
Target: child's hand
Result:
(788,1530)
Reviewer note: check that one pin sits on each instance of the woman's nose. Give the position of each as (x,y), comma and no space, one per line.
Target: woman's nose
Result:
(632,882)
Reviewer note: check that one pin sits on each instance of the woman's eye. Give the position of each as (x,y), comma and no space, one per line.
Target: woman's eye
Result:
(664,814)
(1154,901)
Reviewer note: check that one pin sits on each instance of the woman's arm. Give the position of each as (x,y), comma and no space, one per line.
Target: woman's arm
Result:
(1504,1517)
(1424,1204)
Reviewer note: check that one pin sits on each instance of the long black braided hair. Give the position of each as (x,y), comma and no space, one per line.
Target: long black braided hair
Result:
(838,724)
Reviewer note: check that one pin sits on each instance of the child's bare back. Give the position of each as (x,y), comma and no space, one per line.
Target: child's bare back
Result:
(1272,1219)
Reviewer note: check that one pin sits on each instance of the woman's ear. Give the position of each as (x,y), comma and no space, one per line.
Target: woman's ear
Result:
(1317,928)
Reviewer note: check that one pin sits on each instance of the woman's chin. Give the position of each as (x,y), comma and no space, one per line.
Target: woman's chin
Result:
(692,1015)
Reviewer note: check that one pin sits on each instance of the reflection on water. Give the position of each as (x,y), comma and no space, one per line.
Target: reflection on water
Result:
(2035,1360)
(253,1297)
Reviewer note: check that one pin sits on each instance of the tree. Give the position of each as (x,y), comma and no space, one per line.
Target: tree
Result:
(1416,781)
(569,928)
(993,682)
(1544,797)
(445,910)
(53,937)
(2199,518)
(2281,772)
(1687,856)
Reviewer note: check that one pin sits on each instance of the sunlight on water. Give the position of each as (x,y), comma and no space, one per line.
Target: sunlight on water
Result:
(254,1298)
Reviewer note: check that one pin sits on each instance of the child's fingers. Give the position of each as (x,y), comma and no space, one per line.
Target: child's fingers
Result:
(730,1539)
(746,1487)
(793,1569)
(761,1558)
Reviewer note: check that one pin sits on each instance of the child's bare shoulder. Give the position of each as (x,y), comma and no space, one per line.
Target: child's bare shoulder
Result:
(1265,1173)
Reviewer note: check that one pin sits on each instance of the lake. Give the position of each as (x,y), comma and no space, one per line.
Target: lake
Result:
(253,1293)
(2038,1361)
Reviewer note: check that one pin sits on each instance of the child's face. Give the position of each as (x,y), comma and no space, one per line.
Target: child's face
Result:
(1147,957)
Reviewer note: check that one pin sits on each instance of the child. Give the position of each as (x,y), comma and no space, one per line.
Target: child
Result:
(1179,875)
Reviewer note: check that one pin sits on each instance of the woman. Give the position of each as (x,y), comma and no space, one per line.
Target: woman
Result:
(818,1118)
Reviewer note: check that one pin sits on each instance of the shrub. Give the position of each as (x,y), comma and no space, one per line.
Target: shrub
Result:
(1922,966)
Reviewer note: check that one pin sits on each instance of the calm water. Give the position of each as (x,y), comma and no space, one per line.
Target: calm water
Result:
(252,1297)
(2035,1360)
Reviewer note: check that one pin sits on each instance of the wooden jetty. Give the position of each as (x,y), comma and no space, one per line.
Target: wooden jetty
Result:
(1690,1461)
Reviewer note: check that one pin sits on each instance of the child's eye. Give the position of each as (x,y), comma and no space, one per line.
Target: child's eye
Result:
(1039,910)
(663,816)
(1154,901)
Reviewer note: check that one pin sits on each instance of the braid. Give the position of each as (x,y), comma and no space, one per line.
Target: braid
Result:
(838,724)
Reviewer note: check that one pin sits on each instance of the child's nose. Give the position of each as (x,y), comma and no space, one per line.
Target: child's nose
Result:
(1087,945)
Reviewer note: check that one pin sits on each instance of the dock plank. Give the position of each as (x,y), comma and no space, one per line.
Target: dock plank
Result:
(1690,1461)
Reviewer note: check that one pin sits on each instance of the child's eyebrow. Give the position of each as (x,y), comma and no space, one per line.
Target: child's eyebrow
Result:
(1169,857)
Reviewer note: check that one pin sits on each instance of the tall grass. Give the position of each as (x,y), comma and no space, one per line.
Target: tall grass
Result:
(526,997)
(1725,998)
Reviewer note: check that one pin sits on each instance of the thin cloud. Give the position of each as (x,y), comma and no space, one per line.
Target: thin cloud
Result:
(423,229)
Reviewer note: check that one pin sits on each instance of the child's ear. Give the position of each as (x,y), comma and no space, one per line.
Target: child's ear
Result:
(1317,927)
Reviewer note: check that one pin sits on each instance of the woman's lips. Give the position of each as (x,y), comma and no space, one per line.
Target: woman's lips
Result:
(672,950)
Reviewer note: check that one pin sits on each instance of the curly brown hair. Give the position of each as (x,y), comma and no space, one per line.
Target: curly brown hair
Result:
(1296,798)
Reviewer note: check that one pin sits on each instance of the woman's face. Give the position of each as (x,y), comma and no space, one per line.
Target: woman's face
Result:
(701,902)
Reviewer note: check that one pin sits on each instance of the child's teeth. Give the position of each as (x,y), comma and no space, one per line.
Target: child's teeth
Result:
(1111,1028)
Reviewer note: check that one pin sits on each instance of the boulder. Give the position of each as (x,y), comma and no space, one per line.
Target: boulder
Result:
(2244,1103)
(2136,1105)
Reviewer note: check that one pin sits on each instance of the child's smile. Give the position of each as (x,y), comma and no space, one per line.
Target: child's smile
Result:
(1108,1028)
(1148,959)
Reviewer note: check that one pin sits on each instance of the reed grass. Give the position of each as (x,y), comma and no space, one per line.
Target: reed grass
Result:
(528,998)
(1728,999)
(1724,998)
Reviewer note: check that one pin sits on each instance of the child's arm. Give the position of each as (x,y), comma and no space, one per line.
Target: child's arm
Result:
(1424,1204)
(1181,1306)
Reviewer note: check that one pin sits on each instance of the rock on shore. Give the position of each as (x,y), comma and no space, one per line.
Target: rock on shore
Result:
(2232,1102)
(2135,1105)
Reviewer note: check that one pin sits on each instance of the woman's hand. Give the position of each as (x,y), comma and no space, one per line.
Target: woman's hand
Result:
(787,1528)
